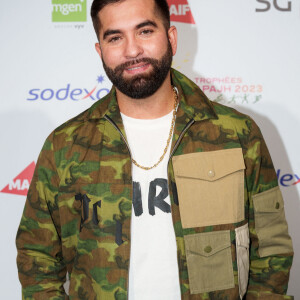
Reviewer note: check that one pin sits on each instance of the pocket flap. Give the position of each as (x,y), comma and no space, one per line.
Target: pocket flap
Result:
(207,244)
(268,201)
(209,166)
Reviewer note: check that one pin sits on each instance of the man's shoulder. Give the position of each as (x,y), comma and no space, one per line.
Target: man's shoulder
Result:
(231,118)
(198,102)
(80,126)
(225,111)
(88,116)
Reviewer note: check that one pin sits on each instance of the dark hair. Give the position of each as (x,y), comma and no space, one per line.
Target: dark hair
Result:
(160,5)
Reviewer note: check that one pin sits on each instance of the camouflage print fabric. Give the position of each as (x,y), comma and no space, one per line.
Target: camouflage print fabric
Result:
(77,214)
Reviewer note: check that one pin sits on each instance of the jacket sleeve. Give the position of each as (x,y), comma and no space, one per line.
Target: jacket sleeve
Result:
(41,268)
(271,250)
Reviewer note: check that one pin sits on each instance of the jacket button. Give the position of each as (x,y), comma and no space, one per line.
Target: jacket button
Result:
(208,249)
(277,205)
(211,173)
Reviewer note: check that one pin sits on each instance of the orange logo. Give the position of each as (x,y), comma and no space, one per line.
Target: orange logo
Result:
(20,184)
(180,11)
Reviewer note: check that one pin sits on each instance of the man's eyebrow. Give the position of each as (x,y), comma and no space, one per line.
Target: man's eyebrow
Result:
(146,23)
(110,32)
(141,25)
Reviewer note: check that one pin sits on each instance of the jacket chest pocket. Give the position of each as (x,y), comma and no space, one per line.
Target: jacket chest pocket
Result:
(210,187)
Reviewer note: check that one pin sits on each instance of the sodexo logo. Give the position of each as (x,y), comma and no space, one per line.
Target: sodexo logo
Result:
(180,11)
(287,179)
(68,92)
(268,4)
(68,10)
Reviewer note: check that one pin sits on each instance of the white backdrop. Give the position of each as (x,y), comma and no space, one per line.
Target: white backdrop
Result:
(241,53)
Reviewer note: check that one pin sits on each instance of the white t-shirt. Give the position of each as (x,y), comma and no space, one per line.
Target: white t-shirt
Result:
(153,270)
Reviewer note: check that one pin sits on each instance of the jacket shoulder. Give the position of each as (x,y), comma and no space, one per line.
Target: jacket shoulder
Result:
(232,118)
(81,118)
(78,128)
(87,117)
(229,112)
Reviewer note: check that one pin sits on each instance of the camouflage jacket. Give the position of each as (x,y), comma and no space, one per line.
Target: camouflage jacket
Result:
(227,209)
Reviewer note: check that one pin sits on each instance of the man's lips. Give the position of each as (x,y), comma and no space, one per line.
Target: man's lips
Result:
(137,68)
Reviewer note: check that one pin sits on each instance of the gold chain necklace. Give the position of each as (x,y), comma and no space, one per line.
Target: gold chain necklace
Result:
(169,138)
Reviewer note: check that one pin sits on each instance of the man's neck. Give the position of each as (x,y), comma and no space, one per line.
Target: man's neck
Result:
(155,106)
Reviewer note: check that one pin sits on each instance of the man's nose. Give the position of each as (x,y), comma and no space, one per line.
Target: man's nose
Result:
(133,48)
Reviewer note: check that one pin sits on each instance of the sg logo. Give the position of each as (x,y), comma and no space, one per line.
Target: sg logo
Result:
(268,6)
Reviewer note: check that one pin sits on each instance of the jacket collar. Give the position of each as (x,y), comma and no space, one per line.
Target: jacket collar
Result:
(192,102)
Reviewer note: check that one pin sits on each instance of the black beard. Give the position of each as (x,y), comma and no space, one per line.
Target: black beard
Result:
(144,85)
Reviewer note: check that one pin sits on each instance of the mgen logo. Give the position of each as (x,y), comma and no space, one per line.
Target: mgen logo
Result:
(180,11)
(68,10)
(20,184)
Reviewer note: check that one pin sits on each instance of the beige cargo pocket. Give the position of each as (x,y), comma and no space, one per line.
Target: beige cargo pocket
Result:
(209,261)
(242,254)
(210,187)
(270,223)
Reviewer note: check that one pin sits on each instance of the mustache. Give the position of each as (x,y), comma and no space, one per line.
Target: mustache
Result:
(122,67)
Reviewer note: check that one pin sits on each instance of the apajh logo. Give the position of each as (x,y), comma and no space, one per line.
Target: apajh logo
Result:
(180,11)
(69,10)
(230,90)
(20,184)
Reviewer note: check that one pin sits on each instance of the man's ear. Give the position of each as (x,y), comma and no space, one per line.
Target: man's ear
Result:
(172,35)
(98,49)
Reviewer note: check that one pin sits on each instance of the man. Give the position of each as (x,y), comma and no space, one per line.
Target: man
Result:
(132,206)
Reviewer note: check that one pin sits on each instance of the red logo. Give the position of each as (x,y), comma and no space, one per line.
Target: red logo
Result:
(180,11)
(20,184)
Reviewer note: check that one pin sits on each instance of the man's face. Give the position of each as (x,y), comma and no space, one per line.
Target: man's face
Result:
(135,48)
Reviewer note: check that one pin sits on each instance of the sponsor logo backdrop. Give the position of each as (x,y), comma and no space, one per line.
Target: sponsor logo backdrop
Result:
(241,53)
